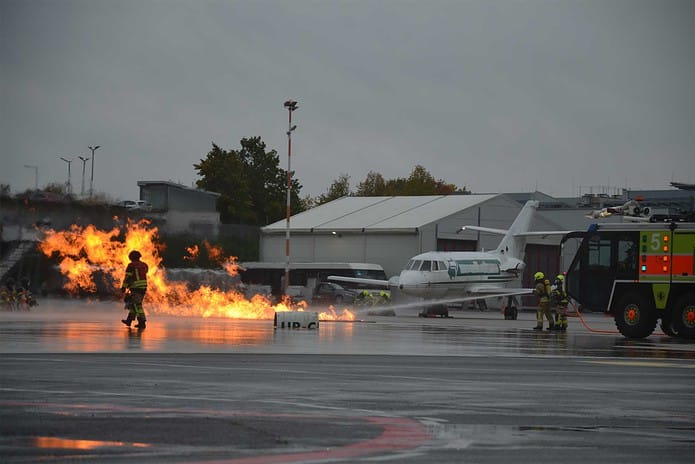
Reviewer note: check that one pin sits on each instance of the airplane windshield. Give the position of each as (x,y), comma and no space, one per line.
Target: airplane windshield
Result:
(426,266)
(414,264)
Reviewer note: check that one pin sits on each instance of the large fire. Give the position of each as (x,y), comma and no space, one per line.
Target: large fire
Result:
(87,251)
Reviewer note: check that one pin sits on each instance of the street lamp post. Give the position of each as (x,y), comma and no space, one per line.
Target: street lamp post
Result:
(69,184)
(91,180)
(36,174)
(84,163)
(291,105)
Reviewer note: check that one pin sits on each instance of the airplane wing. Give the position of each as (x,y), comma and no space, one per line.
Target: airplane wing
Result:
(540,233)
(490,292)
(543,233)
(489,230)
(393,282)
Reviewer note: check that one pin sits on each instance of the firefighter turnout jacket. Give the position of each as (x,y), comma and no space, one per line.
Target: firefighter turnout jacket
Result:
(135,276)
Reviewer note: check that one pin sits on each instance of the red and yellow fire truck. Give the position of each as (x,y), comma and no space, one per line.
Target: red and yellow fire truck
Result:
(640,273)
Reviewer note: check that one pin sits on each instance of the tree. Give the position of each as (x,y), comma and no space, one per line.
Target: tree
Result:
(420,182)
(373,185)
(338,189)
(55,187)
(252,186)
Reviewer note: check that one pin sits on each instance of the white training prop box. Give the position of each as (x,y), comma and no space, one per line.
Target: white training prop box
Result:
(296,320)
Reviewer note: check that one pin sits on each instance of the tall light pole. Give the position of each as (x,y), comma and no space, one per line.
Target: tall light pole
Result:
(69,184)
(291,105)
(36,175)
(91,180)
(84,163)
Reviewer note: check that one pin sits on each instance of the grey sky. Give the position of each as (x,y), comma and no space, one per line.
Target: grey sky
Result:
(493,95)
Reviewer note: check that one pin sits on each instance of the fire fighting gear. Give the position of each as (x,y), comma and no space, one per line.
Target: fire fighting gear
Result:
(135,273)
(133,303)
(542,291)
(539,276)
(560,301)
(127,321)
(135,286)
(6,296)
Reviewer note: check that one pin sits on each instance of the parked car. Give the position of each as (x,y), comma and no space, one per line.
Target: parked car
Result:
(135,205)
(331,293)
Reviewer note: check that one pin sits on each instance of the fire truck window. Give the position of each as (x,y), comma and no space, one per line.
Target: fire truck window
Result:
(627,255)
(599,255)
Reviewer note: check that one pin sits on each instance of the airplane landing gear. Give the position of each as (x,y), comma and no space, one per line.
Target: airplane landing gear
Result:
(434,311)
(510,311)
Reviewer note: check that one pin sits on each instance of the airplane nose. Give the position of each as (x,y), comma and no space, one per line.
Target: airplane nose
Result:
(410,282)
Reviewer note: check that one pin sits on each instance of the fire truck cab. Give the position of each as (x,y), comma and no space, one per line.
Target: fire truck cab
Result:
(640,273)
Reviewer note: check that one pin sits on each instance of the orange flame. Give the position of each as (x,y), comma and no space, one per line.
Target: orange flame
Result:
(193,252)
(85,251)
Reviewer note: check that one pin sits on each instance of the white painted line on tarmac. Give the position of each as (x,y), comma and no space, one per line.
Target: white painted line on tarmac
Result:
(645,364)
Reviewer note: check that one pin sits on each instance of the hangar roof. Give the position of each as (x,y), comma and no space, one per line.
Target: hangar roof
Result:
(380,213)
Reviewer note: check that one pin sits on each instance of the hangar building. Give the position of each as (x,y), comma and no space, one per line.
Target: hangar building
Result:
(390,230)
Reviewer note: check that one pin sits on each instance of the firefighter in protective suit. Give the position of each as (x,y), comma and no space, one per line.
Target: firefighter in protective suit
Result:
(134,286)
(542,291)
(558,298)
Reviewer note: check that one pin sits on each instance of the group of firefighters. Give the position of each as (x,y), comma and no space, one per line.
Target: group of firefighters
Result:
(552,302)
(16,296)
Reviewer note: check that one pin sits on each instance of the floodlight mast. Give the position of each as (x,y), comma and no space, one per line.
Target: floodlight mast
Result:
(91,180)
(69,183)
(291,106)
(84,162)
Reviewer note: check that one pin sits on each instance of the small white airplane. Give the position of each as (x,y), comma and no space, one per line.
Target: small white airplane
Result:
(631,210)
(459,276)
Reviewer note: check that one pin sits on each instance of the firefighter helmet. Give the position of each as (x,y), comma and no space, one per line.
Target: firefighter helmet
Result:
(538,275)
(134,255)
(560,277)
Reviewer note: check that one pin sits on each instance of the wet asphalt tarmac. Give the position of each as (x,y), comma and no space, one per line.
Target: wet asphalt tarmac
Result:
(77,386)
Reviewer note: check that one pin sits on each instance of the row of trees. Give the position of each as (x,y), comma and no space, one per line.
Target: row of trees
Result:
(253,186)
(419,182)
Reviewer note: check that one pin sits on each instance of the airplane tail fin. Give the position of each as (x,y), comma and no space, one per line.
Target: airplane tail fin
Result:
(513,243)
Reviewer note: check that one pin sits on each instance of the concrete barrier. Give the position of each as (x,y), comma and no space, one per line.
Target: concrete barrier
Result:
(296,320)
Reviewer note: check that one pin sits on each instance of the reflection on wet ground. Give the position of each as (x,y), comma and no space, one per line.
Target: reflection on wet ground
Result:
(66,443)
(80,326)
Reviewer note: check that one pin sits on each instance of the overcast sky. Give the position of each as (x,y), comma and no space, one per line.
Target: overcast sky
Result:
(497,96)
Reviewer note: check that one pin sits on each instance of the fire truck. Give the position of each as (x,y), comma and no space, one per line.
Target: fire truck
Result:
(641,273)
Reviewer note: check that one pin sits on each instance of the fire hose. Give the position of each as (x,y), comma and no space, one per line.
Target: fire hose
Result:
(598,331)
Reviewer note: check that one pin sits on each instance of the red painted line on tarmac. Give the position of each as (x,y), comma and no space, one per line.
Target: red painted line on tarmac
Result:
(398,434)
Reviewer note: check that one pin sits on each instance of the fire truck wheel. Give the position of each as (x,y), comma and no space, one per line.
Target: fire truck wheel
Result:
(634,317)
(684,317)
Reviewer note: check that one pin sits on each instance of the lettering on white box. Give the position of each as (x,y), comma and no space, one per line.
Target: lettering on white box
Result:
(296,320)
